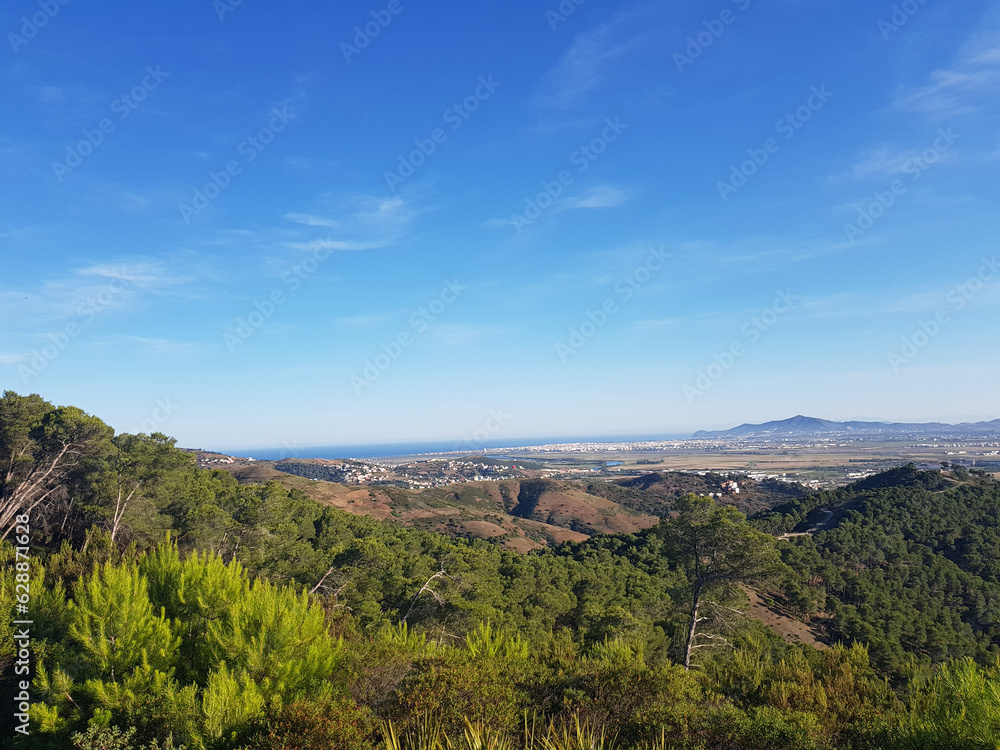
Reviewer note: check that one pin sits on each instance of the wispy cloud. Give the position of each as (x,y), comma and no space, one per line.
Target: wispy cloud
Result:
(13,358)
(878,161)
(153,346)
(884,161)
(356,322)
(650,325)
(313,221)
(105,286)
(359,222)
(969,85)
(591,61)
(458,334)
(599,196)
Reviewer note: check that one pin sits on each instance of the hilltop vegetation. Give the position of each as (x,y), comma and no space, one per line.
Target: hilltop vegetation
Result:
(176,606)
(522,514)
(656,493)
(910,566)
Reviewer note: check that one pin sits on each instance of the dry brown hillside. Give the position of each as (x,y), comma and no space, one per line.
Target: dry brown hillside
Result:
(522,514)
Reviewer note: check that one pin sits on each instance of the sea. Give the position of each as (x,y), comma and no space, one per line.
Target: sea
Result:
(394,450)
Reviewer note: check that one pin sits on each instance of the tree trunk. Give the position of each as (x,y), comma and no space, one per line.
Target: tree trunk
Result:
(120,507)
(31,491)
(696,590)
(691,630)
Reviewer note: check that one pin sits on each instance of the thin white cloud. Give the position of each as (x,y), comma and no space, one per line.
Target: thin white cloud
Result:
(95,288)
(650,325)
(155,346)
(498,223)
(341,245)
(312,221)
(600,196)
(455,335)
(355,322)
(129,201)
(597,197)
(884,162)
(878,161)
(359,222)
(967,86)
(591,61)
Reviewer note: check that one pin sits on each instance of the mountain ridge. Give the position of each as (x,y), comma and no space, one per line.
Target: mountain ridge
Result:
(803,425)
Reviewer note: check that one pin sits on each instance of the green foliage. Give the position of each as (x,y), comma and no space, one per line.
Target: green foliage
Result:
(48,457)
(762,727)
(314,725)
(231,704)
(481,737)
(186,645)
(958,709)
(210,638)
(572,734)
(114,625)
(719,551)
(452,688)
(114,738)
(276,640)
(487,642)
(909,571)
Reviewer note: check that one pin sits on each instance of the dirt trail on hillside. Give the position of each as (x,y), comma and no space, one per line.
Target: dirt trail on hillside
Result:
(790,629)
(818,527)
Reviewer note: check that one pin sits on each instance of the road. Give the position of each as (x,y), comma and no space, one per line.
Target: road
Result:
(818,527)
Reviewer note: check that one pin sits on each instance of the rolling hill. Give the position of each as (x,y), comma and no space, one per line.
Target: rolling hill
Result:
(801,426)
(528,513)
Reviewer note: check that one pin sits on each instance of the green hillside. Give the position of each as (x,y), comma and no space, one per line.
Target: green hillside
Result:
(173,606)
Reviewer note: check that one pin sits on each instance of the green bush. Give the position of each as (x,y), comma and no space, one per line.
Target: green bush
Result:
(454,688)
(114,738)
(308,725)
(634,702)
(763,727)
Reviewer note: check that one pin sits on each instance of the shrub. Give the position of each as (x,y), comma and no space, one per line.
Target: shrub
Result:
(114,738)
(763,727)
(454,688)
(307,725)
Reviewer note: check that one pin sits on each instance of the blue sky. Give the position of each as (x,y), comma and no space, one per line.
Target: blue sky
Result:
(247,225)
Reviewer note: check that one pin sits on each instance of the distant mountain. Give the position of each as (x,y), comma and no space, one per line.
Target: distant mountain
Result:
(800,425)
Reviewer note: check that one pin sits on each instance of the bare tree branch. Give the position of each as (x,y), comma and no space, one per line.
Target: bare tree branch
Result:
(427,587)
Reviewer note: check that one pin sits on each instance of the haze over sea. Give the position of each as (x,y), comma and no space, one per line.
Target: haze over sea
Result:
(388,450)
